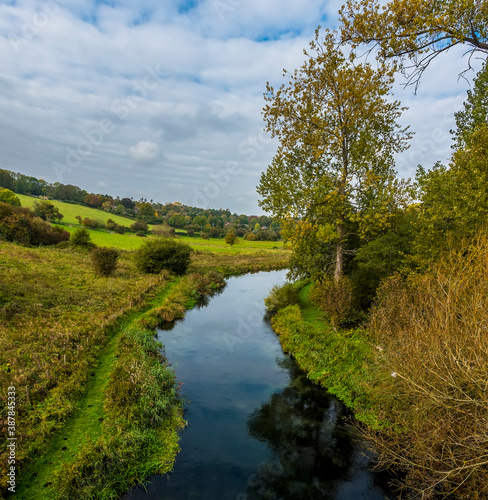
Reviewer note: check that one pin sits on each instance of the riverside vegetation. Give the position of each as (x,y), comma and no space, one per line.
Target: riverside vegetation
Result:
(388,309)
(96,401)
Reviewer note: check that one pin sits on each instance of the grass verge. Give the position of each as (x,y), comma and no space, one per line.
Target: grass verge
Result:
(342,361)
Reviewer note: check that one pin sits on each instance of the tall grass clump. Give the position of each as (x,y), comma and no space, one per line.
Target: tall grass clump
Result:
(281,296)
(163,253)
(105,260)
(434,331)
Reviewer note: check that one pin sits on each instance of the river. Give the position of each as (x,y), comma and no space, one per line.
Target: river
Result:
(258,429)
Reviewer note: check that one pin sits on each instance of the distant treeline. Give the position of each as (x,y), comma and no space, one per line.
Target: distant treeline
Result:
(215,223)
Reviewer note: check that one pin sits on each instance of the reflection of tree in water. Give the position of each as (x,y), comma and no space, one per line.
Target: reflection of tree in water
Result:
(311,449)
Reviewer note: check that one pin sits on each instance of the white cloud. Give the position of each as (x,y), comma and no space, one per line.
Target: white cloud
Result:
(144,152)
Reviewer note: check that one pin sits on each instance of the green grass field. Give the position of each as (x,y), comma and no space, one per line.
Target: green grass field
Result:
(70,211)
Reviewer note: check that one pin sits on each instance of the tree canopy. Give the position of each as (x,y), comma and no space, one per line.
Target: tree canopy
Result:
(414,32)
(336,122)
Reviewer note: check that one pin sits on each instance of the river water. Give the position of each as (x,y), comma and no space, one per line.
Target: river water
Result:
(258,429)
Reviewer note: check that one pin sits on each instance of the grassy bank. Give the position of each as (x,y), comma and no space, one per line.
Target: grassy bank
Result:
(342,361)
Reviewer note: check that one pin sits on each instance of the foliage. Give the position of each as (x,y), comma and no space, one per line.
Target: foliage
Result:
(7,196)
(415,31)
(475,112)
(280,297)
(20,225)
(334,297)
(388,253)
(163,253)
(454,200)
(81,238)
(231,238)
(164,230)
(139,226)
(338,135)
(105,260)
(433,329)
(47,211)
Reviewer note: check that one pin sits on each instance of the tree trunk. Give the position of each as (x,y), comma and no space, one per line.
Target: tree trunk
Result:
(339,256)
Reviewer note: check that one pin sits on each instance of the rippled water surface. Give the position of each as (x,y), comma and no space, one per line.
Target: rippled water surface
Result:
(258,429)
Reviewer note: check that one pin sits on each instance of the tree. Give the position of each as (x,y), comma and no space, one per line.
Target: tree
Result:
(334,168)
(47,211)
(107,205)
(7,196)
(414,32)
(475,112)
(145,211)
(120,210)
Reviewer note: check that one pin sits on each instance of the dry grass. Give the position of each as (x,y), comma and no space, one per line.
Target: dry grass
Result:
(434,329)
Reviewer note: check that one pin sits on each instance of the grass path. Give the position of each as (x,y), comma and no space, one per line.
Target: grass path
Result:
(83,426)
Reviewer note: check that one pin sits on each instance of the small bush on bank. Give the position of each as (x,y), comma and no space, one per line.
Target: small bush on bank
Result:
(335,298)
(281,297)
(105,260)
(162,253)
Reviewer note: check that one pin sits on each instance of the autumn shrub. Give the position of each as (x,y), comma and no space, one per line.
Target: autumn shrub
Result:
(434,331)
(105,260)
(334,297)
(164,230)
(20,225)
(231,238)
(81,238)
(139,226)
(281,296)
(163,253)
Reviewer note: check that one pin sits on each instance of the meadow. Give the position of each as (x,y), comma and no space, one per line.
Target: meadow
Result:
(71,210)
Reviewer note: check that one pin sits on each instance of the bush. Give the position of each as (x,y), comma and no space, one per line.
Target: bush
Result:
(81,238)
(231,238)
(139,226)
(92,223)
(105,260)
(7,196)
(281,297)
(335,298)
(205,236)
(163,253)
(164,230)
(433,329)
(251,237)
(20,225)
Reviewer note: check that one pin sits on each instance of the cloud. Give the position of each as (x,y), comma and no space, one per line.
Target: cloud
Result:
(186,79)
(144,152)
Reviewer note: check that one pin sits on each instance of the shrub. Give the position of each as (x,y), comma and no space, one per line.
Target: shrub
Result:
(81,238)
(251,237)
(433,328)
(281,297)
(164,230)
(119,229)
(231,238)
(20,225)
(334,297)
(105,260)
(190,232)
(91,223)
(162,253)
(7,196)
(205,236)
(139,226)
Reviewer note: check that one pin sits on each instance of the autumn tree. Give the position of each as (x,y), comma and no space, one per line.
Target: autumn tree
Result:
(47,211)
(414,32)
(336,122)
(455,198)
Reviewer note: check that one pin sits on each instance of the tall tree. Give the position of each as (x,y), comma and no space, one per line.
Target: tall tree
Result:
(336,123)
(475,112)
(414,32)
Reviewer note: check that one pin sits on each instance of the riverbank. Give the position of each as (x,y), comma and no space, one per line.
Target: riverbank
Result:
(58,335)
(345,362)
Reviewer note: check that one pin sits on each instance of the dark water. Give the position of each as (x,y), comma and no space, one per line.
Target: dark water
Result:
(258,429)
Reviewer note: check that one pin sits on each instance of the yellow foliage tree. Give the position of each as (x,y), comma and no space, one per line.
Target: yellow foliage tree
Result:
(414,32)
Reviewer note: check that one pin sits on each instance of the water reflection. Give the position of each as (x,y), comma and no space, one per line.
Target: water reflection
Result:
(258,429)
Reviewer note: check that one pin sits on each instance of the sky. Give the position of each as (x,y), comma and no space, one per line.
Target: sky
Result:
(163,99)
